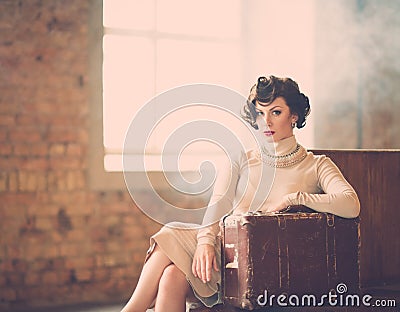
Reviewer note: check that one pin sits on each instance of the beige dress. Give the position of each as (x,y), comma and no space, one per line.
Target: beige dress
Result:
(314,181)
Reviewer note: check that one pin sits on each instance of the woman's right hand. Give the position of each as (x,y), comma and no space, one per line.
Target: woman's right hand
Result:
(204,261)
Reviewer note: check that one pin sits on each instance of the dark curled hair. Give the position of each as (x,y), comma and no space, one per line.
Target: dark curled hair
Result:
(268,89)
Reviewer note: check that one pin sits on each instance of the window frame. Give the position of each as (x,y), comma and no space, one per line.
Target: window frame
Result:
(98,177)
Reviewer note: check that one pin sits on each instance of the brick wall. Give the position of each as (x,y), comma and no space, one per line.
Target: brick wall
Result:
(60,242)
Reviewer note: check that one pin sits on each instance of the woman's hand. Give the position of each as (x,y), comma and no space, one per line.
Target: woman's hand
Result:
(279,206)
(204,260)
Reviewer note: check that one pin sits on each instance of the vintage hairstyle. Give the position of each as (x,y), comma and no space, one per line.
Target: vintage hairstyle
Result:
(268,89)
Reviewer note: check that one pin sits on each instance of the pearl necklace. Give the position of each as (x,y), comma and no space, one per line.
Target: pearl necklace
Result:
(282,161)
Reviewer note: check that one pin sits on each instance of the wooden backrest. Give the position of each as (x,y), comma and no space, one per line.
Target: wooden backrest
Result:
(375,175)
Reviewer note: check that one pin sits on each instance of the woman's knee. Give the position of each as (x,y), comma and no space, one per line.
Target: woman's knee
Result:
(173,279)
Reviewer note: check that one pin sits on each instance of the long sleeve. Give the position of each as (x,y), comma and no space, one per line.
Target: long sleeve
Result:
(221,202)
(339,197)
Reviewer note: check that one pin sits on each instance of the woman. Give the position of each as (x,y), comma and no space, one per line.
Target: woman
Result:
(185,262)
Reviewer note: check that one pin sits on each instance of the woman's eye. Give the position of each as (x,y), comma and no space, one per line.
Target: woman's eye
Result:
(259,113)
(276,112)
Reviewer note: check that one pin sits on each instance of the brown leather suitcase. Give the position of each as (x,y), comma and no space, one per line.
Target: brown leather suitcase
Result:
(297,255)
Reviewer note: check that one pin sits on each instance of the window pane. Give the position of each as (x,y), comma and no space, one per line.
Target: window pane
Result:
(183,62)
(130,14)
(184,116)
(128,83)
(204,18)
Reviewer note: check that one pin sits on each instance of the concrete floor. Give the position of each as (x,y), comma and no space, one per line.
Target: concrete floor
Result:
(76,308)
(80,308)
(113,308)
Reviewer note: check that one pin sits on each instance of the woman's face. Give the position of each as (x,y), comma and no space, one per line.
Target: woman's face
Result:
(275,119)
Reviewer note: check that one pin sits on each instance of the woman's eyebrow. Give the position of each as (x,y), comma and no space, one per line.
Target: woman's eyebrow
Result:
(276,106)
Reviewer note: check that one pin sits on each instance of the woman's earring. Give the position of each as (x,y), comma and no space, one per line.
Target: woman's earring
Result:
(293,124)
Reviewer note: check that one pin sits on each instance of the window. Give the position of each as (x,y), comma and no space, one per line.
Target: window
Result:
(141,48)
(152,46)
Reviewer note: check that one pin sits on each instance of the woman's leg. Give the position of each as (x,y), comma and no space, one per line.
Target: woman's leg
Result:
(172,290)
(147,286)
